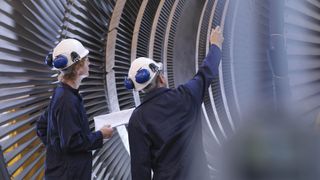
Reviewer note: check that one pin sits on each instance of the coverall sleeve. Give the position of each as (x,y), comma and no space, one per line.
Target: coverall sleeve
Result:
(139,152)
(41,125)
(206,73)
(72,136)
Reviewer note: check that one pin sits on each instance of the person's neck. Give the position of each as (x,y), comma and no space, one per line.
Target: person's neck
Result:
(162,85)
(74,84)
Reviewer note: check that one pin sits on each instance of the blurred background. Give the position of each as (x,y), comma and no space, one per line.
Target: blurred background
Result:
(270,59)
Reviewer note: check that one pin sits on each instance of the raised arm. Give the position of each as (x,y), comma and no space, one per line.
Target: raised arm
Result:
(209,68)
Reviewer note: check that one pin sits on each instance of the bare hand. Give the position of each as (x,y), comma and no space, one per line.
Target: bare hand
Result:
(106,131)
(216,37)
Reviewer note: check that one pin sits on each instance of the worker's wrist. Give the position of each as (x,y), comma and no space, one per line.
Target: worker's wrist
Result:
(216,45)
(100,137)
(99,133)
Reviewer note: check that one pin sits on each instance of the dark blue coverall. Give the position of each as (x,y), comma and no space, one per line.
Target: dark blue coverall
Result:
(165,133)
(64,129)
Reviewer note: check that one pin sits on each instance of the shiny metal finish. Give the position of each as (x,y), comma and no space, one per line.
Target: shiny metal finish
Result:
(118,31)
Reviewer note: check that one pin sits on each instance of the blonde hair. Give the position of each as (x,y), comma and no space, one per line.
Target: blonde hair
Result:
(70,74)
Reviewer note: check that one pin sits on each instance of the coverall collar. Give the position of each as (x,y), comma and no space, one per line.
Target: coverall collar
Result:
(75,91)
(153,94)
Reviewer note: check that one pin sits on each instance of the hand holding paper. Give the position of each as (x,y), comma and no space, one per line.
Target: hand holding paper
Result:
(106,131)
(113,119)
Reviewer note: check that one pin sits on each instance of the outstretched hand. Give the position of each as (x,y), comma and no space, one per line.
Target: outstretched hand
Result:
(216,37)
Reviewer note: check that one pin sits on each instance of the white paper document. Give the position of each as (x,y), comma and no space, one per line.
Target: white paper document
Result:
(114,119)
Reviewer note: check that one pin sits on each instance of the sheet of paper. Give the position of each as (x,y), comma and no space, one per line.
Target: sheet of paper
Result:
(114,119)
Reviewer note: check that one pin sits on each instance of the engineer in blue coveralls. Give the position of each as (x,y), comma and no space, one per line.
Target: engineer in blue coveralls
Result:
(64,127)
(165,133)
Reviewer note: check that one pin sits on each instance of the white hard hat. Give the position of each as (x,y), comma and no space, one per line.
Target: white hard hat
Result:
(67,52)
(141,73)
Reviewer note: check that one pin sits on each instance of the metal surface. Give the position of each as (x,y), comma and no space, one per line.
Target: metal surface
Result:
(302,47)
(169,41)
(118,31)
(277,56)
(30,29)
(123,51)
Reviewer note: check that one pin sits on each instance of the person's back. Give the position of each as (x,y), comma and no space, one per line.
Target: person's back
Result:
(171,120)
(165,133)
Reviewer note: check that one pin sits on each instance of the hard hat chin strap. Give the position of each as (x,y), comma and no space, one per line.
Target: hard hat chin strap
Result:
(75,56)
(153,67)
